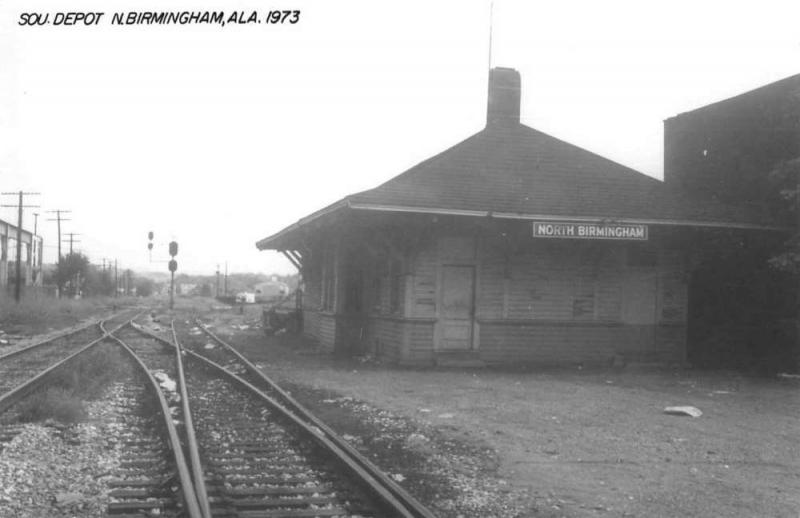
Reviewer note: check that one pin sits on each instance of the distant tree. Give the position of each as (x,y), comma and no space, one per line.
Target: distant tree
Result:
(98,282)
(205,290)
(71,273)
(144,287)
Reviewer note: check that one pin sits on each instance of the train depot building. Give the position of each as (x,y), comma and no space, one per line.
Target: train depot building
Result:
(511,246)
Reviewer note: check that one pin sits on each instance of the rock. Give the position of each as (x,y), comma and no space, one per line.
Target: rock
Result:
(683,411)
(64,499)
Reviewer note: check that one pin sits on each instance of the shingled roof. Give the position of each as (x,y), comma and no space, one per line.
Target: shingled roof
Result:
(509,170)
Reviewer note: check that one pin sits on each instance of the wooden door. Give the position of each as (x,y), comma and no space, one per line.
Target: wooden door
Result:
(458,307)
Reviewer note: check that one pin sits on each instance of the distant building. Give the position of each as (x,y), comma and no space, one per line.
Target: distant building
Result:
(269,290)
(741,311)
(31,256)
(511,246)
(186,288)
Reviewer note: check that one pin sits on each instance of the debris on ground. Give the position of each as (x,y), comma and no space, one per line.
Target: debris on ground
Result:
(165,381)
(683,411)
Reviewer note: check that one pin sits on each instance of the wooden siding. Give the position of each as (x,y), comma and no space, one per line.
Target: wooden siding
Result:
(311,324)
(387,336)
(538,301)
(424,284)
(327,331)
(579,343)
(402,340)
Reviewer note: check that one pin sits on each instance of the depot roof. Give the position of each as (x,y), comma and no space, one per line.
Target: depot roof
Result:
(509,170)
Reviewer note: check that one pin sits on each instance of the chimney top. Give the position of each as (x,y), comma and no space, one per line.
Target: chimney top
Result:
(504,97)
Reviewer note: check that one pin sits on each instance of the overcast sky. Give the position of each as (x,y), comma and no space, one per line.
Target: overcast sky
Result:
(219,136)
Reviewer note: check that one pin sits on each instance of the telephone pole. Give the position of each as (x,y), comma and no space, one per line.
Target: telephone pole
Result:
(59,219)
(20,205)
(217,280)
(71,240)
(226,278)
(116,279)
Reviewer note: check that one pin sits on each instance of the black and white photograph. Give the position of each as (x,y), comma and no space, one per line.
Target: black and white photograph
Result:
(399,259)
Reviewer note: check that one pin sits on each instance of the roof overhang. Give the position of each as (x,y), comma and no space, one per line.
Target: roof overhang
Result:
(268,242)
(576,219)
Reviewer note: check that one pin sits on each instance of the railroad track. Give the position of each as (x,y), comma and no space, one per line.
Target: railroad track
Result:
(24,370)
(154,476)
(252,450)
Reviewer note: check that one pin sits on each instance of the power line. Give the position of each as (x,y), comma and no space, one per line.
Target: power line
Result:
(59,219)
(72,240)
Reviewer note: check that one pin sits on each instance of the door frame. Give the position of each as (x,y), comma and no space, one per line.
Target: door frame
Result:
(474,327)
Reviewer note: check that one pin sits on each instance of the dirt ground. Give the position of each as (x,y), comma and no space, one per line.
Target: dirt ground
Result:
(553,443)
(568,442)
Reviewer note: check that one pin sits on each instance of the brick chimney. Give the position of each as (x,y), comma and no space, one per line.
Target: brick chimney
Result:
(504,97)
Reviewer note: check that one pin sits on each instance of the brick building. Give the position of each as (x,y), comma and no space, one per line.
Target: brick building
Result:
(31,265)
(742,311)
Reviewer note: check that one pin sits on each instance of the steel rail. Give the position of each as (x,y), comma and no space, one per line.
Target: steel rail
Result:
(322,436)
(46,341)
(191,438)
(409,502)
(16,394)
(189,494)
(314,433)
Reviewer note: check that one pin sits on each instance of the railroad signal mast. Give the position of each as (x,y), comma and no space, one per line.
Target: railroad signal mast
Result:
(173,265)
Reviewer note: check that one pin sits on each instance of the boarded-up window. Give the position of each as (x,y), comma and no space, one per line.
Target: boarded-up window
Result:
(564,284)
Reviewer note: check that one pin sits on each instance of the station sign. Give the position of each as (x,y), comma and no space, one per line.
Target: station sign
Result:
(571,230)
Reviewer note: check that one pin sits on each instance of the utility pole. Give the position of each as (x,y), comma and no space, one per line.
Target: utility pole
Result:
(59,219)
(226,278)
(20,205)
(217,281)
(71,240)
(116,279)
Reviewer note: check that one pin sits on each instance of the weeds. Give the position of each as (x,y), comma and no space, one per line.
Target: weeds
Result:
(62,398)
(52,403)
(37,312)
